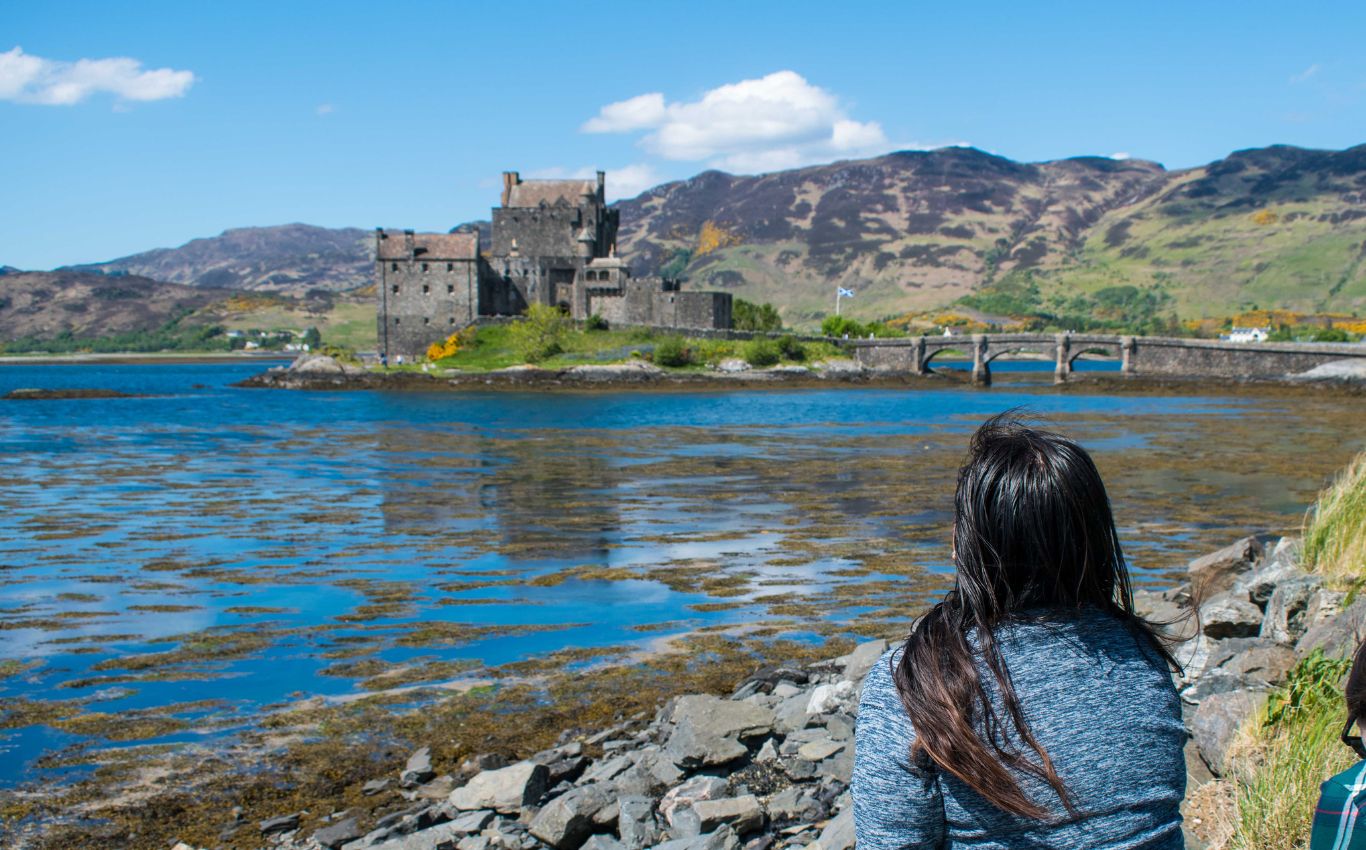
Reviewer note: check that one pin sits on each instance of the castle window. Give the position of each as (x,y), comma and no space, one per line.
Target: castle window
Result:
(426,321)
(426,289)
(451,320)
(450,267)
(396,289)
(450,289)
(393,267)
(424,267)
(397,320)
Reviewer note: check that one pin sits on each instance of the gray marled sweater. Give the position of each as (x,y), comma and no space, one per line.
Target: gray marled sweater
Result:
(1097,698)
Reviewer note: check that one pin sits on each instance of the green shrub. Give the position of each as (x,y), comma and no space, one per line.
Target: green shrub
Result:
(762,352)
(791,348)
(1331,335)
(673,351)
(748,316)
(595,323)
(539,334)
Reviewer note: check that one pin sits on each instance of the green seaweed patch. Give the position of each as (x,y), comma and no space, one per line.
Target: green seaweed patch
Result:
(163,608)
(11,667)
(257,609)
(195,648)
(70,596)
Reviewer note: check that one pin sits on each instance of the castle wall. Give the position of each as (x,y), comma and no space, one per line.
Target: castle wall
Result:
(423,301)
(538,231)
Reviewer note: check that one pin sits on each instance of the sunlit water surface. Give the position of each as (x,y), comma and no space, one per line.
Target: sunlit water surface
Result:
(203,552)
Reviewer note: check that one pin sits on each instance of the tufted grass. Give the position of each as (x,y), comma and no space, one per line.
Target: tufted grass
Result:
(1283,755)
(1335,528)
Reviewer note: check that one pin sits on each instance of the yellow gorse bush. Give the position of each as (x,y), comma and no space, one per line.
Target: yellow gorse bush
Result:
(442,350)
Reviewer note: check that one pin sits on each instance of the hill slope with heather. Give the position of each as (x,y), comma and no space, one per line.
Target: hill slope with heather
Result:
(288,258)
(1280,227)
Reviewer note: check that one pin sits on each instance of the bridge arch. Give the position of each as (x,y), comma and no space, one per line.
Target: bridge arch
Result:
(1108,349)
(1048,349)
(961,349)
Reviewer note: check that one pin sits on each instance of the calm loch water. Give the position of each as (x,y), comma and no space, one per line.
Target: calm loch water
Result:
(172,565)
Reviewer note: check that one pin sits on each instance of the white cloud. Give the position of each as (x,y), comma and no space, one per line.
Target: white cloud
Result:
(776,121)
(1120,155)
(1304,75)
(325,109)
(25,78)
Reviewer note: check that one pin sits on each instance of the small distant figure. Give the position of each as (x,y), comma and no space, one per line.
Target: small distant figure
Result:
(400,360)
(1337,822)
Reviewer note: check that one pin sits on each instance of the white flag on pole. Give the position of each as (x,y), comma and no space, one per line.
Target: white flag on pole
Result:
(845,293)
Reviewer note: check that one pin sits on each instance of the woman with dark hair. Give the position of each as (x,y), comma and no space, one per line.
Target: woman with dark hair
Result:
(1337,822)
(1031,707)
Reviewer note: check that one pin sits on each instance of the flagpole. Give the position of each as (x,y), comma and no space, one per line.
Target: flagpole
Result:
(838,293)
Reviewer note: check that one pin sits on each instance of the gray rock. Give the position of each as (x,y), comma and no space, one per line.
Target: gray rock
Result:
(695,789)
(817,750)
(663,769)
(857,663)
(722,839)
(1193,656)
(1215,682)
(567,820)
(418,769)
(636,822)
(1217,721)
(744,813)
(839,696)
(1260,659)
(686,822)
(602,771)
(838,833)
(839,767)
(1215,573)
(440,837)
(284,823)
(767,752)
(1286,612)
(1227,616)
(692,748)
(788,804)
(799,770)
(1158,607)
(607,816)
(1288,550)
(337,834)
(603,842)
(1338,637)
(473,842)
(1261,582)
(504,790)
(840,727)
(374,786)
(791,714)
(1324,605)
(471,821)
(716,716)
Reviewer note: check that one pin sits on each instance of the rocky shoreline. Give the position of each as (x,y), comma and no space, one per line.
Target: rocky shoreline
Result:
(768,767)
(320,372)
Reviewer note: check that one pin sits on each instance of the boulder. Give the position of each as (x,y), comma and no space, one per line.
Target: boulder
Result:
(636,822)
(840,696)
(743,814)
(1259,659)
(1213,682)
(603,842)
(607,769)
(471,822)
(1227,616)
(567,820)
(857,663)
(791,713)
(1215,573)
(1261,582)
(818,750)
(418,769)
(1285,619)
(690,792)
(715,716)
(792,803)
(1217,721)
(1339,636)
(838,833)
(732,364)
(504,790)
(337,834)
(722,839)
(374,786)
(692,748)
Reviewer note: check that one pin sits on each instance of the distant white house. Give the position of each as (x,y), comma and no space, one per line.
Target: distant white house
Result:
(1246,335)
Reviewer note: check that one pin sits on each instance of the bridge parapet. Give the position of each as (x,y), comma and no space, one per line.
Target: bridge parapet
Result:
(1137,355)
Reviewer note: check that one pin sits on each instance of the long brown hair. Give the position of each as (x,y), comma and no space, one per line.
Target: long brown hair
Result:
(1032,529)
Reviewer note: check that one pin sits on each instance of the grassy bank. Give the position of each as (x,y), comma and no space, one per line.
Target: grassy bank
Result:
(549,340)
(1284,754)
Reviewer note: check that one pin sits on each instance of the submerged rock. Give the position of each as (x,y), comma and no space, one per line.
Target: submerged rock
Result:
(34,394)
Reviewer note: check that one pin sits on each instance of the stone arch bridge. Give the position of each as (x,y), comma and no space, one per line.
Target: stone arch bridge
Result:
(1137,354)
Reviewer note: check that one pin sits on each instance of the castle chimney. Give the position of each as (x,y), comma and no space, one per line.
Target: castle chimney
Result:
(510,179)
(602,185)
(409,244)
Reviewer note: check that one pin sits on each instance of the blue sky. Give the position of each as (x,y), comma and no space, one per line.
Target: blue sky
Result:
(125,127)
